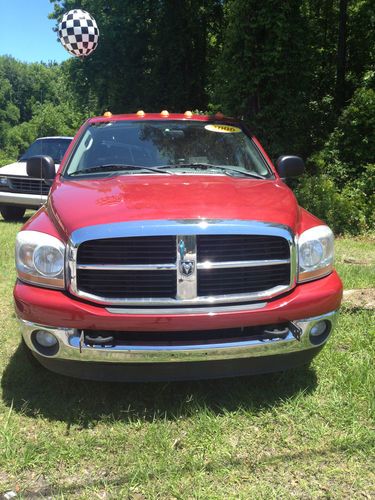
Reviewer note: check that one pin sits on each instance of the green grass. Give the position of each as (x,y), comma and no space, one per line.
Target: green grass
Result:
(307,433)
(361,250)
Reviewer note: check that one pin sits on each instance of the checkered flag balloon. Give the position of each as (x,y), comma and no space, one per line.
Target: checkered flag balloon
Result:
(78,33)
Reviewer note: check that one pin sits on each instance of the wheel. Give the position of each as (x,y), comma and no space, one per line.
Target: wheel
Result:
(12,213)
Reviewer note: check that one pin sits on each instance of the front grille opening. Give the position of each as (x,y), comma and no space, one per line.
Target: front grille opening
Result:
(232,247)
(137,250)
(229,335)
(242,280)
(128,284)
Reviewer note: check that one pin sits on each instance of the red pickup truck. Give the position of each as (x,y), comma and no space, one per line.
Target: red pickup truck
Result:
(171,248)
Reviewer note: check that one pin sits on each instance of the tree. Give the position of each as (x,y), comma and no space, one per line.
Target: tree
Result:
(262,72)
(151,55)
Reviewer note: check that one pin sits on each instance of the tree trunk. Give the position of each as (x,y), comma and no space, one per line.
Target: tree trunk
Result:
(340,93)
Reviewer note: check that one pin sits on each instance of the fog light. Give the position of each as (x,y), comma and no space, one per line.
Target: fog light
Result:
(318,329)
(45,339)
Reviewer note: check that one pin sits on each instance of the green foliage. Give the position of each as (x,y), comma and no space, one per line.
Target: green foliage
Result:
(151,55)
(48,120)
(262,72)
(6,157)
(346,211)
(35,101)
(351,146)
(344,188)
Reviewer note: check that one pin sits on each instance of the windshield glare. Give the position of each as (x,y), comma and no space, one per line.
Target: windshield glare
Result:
(177,144)
(55,148)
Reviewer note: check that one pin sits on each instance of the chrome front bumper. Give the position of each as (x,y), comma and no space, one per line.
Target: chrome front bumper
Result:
(71,347)
(20,199)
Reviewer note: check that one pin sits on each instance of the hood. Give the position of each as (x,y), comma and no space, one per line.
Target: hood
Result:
(80,203)
(18,168)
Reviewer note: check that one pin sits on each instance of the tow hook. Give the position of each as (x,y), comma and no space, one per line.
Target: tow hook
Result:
(99,340)
(273,333)
(296,330)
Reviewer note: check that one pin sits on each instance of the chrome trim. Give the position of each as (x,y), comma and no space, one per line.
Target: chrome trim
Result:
(187,310)
(241,263)
(69,346)
(179,226)
(201,300)
(128,267)
(186,251)
(180,229)
(21,199)
(173,267)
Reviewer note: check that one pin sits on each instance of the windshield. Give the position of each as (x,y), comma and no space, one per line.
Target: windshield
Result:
(55,148)
(177,146)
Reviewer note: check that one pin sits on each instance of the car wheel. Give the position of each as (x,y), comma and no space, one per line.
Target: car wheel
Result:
(12,213)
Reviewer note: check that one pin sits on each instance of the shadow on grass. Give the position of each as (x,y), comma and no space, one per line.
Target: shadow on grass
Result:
(34,391)
(21,220)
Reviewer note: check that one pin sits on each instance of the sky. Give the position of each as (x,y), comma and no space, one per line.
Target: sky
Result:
(26,32)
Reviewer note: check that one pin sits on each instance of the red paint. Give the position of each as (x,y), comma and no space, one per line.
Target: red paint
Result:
(55,308)
(155,197)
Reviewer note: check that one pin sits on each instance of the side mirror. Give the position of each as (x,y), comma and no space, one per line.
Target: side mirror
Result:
(41,167)
(290,166)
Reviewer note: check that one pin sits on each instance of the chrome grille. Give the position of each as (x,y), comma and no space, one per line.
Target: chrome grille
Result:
(28,186)
(184,268)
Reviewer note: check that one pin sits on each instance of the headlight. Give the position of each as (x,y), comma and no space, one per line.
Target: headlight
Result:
(315,253)
(40,259)
(4,182)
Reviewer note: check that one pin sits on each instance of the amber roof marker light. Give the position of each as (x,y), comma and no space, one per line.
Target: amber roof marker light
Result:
(107,114)
(164,113)
(140,113)
(188,114)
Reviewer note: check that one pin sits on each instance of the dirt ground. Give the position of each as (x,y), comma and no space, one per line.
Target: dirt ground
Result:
(362,298)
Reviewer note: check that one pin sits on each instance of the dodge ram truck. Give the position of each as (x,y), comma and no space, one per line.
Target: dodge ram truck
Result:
(170,248)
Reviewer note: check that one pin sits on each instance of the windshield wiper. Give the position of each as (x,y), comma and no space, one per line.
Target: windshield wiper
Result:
(208,166)
(113,167)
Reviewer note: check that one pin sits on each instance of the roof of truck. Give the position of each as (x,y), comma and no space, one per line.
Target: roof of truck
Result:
(163,115)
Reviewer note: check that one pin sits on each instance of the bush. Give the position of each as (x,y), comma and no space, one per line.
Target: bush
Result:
(345,211)
(47,120)
(351,146)
(6,158)
(343,191)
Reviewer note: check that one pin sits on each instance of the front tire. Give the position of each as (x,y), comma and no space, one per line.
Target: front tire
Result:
(12,213)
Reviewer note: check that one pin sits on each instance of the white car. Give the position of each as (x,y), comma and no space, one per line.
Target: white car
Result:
(19,192)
